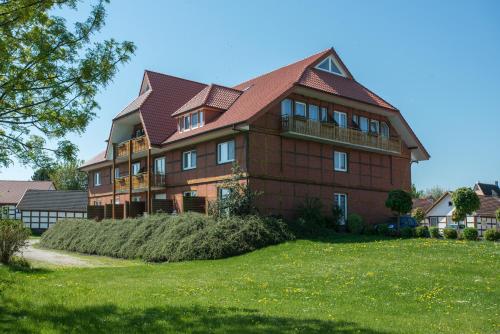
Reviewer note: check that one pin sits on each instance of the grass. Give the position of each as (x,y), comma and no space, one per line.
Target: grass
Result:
(340,284)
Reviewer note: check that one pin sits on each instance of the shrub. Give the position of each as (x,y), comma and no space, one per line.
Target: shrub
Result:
(160,237)
(422,232)
(407,232)
(434,232)
(337,214)
(369,229)
(418,214)
(13,237)
(311,212)
(470,233)
(355,223)
(383,229)
(450,233)
(492,235)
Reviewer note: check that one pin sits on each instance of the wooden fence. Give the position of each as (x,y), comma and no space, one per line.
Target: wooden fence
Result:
(95,212)
(194,204)
(162,205)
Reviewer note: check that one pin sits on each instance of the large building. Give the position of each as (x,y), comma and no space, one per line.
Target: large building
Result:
(308,129)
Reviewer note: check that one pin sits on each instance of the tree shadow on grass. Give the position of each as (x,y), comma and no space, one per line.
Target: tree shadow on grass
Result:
(22,318)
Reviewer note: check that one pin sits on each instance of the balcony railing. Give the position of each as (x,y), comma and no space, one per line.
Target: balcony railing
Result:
(139,144)
(332,133)
(139,182)
(122,184)
(158,180)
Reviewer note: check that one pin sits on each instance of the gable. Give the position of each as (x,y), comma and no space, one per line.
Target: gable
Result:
(330,65)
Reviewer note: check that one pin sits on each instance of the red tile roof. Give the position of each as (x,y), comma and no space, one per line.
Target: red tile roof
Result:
(214,96)
(98,158)
(424,203)
(11,192)
(134,105)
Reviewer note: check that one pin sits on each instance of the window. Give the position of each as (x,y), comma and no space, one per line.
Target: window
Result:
(340,200)
(194,120)
(201,118)
(97,179)
(363,124)
(286,108)
(225,152)
(355,120)
(324,114)
(136,168)
(189,160)
(314,112)
(224,192)
(117,172)
(300,109)
(340,118)
(330,65)
(160,196)
(340,161)
(190,193)
(450,203)
(186,122)
(374,126)
(139,132)
(384,130)
(136,198)
(160,166)
(181,124)
(433,221)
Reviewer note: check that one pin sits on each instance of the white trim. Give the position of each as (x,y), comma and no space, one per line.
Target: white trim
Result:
(190,193)
(190,159)
(336,63)
(295,109)
(344,209)
(340,113)
(343,157)
(226,144)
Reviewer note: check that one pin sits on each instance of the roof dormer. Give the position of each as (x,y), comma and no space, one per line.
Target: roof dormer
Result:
(331,65)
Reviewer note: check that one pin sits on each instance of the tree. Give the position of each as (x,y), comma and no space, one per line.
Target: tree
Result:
(400,202)
(497,213)
(13,237)
(466,202)
(416,193)
(66,176)
(42,174)
(418,214)
(434,192)
(50,75)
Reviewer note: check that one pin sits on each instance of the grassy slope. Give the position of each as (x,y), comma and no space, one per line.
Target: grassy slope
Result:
(410,286)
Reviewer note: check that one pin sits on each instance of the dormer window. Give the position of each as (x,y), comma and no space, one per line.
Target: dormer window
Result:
(191,121)
(330,65)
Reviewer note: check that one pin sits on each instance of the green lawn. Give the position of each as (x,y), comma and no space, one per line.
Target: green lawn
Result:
(343,284)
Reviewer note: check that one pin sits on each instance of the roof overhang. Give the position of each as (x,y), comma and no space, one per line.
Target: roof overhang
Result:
(418,152)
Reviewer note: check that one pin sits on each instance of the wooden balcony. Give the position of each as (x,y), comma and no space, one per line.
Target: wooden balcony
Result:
(331,133)
(140,181)
(139,144)
(158,180)
(122,184)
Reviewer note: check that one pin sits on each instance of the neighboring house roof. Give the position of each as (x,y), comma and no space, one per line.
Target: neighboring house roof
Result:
(487,189)
(98,158)
(489,205)
(213,96)
(424,203)
(55,200)
(11,192)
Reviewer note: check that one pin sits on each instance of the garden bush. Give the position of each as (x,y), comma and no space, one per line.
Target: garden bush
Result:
(13,237)
(450,233)
(161,237)
(422,232)
(311,211)
(470,233)
(383,229)
(355,223)
(407,232)
(434,232)
(492,235)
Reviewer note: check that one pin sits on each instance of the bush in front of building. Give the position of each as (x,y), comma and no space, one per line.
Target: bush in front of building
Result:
(492,235)
(13,237)
(355,223)
(383,229)
(422,232)
(470,233)
(434,232)
(407,232)
(169,238)
(450,233)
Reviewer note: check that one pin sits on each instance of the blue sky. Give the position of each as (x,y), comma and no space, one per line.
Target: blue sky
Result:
(437,61)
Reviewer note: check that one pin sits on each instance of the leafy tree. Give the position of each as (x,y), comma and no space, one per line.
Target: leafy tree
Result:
(50,75)
(418,214)
(400,202)
(434,192)
(42,174)
(497,213)
(416,193)
(13,237)
(466,202)
(66,176)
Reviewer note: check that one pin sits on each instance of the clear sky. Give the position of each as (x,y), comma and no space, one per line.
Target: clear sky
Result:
(436,61)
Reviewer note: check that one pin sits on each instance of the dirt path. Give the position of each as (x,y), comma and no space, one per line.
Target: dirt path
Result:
(55,258)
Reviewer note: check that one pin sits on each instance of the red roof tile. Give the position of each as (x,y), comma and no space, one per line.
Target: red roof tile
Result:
(214,96)
(11,192)
(98,158)
(134,105)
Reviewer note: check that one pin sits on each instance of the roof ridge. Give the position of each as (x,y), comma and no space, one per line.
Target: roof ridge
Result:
(227,87)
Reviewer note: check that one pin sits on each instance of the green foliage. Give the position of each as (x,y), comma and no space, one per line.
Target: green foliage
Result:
(416,193)
(434,232)
(158,238)
(13,237)
(383,229)
(418,214)
(50,76)
(66,176)
(241,199)
(450,233)
(355,223)
(422,232)
(400,202)
(337,214)
(42,174)
(492,235)
(407,232)
(465,201)
(435,192)
(470,233)
(311,211)
(497,214)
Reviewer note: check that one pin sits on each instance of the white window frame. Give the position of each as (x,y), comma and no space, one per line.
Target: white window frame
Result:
(339,159)
(189,159)
(317,112)
(377,123)
(335,62)
(226,145)
(187,118)
(323,114)
(134,167)
(336,199)
(340,115)
(361,118)
(190,193)
(284,112)
(117,172)
(384,127)
(295,109)
(193,115)
(222,193)
(97,179)
(164,165)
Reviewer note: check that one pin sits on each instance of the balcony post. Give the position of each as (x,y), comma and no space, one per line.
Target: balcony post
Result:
(114,183)
(149,175)
(129,175)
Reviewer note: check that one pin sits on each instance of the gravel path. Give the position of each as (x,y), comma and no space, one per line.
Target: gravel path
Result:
(42,255)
